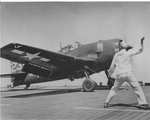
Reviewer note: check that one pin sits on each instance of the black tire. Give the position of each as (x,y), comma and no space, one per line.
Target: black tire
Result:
(110,82)
(88,85)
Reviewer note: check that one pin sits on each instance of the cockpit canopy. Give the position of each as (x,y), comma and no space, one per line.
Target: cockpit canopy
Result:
(69,48)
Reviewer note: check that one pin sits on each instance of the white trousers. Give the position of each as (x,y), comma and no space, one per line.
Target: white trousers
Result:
(129,78)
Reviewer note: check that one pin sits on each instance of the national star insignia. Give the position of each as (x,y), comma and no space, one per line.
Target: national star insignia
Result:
(32,56)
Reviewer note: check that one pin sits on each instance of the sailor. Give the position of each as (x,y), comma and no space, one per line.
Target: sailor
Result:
(121,64)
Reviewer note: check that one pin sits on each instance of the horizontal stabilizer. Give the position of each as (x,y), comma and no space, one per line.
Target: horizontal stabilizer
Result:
(12,75)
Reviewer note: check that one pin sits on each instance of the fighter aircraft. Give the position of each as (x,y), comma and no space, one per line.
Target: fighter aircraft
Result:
(38,65)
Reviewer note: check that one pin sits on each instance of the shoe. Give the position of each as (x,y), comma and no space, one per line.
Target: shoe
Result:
(105,105)
(144,105)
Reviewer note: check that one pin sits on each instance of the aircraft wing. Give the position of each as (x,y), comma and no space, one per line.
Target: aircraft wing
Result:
(39,61)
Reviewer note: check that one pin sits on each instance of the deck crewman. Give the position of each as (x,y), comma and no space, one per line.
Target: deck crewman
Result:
(121,64)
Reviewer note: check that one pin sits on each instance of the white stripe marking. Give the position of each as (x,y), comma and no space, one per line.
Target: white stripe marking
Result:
(44,59)
(17,51)
(107,109)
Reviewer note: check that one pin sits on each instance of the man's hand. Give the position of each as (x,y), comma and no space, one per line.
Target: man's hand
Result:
(110,72)
(142,46)
(142,40)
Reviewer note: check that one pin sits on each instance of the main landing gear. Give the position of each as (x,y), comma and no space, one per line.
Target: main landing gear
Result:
(27,86)
(88,84)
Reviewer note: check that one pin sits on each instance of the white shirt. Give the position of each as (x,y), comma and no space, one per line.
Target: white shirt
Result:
(122,61)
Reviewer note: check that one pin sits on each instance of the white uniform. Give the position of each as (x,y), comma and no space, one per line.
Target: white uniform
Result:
(124,73)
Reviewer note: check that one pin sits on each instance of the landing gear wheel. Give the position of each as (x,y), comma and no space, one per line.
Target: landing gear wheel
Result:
(110,82)
(88,85)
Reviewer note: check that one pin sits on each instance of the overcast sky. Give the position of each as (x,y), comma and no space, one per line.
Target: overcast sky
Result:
(45,24)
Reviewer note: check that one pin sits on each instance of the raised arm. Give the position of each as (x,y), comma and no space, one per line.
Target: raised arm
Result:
(140,49)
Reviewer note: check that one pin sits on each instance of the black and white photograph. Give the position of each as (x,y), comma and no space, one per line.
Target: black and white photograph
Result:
(80,60)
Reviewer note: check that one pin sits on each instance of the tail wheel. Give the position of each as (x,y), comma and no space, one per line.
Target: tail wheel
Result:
(110,82)
(88,85)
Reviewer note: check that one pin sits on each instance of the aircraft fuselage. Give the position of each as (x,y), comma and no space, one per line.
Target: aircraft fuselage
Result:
(101,52)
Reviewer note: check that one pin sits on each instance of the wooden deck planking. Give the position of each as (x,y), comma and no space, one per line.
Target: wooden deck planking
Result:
(45,105)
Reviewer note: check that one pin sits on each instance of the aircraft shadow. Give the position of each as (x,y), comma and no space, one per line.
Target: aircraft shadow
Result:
(9,90)
(55,92)
(45,89)
(102,88)
(49,91)
(22,89)
(129,105)
(122,104)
